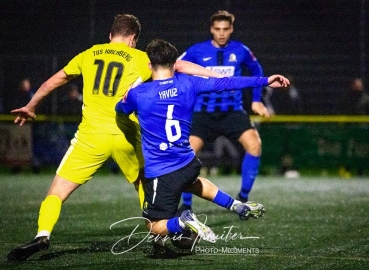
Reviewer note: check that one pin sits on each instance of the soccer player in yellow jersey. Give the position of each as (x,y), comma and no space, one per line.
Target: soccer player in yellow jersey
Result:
(108,71)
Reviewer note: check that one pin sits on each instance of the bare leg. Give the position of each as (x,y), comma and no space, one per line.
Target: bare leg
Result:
(204,189)
(251,142)
(196,143)
(158,227)
(62,188)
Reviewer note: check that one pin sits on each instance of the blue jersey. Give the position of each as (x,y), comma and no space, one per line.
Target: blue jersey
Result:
(230,61)
(164,109)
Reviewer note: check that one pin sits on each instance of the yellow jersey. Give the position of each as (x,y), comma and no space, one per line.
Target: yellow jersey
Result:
(108,71)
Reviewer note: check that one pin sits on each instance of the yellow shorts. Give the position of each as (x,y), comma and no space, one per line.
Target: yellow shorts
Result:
(88,152)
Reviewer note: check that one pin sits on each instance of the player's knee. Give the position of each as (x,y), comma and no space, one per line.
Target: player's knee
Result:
(254,148)
(157,227)
(251,142)
(150,225)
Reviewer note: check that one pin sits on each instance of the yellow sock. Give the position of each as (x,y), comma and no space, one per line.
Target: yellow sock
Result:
(49,213)
(141,194)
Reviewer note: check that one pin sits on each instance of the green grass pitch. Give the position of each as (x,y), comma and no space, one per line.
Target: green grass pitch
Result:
(310,223)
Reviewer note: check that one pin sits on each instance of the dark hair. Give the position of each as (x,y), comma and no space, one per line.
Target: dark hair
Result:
(125,25)
(161,53)
(222,15)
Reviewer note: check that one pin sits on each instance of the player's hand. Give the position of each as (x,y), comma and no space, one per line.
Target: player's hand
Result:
(22,114)
(260,109)
(276,81)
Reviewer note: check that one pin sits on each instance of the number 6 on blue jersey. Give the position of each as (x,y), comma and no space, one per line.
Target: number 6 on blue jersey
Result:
(172,125)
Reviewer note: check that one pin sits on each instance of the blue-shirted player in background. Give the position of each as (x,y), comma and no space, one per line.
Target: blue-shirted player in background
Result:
(222,113)
(164,108)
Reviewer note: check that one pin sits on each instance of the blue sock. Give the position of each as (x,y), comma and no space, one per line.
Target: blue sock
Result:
(250,169)
(187,198)
(223,199)
(173,226)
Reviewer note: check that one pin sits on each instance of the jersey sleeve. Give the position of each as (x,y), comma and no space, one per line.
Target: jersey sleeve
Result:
(128,104)
(74,67)
(255,69)
(201,85)
(189,55)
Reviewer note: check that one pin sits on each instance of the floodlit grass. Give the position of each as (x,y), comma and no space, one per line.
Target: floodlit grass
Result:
(311,223)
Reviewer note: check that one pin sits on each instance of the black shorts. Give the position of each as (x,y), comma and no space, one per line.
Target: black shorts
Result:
(163,193)
(209,126)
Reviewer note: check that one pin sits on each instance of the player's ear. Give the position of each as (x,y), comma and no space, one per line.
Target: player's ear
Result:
(110,36)
(133,41)
(211,30)
(150,66)
(231,29)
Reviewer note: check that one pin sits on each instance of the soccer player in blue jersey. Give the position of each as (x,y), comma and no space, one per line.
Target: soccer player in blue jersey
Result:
(222,113)
(108,71)
(164,108)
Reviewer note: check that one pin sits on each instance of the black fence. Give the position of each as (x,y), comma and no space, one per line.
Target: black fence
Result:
(321,44)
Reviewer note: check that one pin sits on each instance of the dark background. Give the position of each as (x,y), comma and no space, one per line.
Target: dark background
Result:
(321,43)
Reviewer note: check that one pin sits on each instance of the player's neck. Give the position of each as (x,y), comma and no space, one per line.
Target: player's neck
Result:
(162,73)
(217,45)
(120,39)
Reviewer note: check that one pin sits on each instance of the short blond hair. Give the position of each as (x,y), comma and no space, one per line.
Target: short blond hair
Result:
(222,15)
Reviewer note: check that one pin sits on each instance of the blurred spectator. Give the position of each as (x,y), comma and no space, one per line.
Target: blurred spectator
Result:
(227,153)
(356,100)
(21,97)
(23,94)
(267,99)
(221,157)
(71,104)
(284,101)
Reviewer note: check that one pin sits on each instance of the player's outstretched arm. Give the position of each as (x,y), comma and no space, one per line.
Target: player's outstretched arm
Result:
(28,111)
(276,81)
(195,69)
